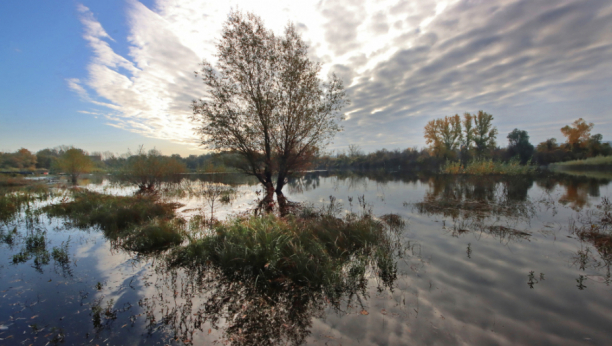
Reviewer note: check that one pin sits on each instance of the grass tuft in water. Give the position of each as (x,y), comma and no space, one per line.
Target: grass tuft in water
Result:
(35,246)
(136,223)
(320,251)
(12,201)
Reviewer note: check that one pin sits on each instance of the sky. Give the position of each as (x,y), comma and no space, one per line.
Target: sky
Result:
(117,74)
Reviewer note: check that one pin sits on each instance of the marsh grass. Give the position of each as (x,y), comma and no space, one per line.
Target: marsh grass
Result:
(591,162)
(137,223)
(485,167)
(12,201)
(8,181)
(35,246)
(319,250)
(60,253)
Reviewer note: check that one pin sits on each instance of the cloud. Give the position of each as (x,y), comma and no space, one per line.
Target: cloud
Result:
(404,62)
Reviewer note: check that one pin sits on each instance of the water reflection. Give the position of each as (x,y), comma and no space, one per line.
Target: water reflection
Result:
(246,314)
(465,289)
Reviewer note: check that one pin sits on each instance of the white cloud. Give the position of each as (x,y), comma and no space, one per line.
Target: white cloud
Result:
(403,61)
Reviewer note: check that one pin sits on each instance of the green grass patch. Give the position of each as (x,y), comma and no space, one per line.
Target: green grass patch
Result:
(315,251)
(137,223)
(591,162)
(485,167)
(14,201)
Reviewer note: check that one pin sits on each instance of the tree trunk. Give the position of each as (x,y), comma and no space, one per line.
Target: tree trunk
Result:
(283,205)
(267,203)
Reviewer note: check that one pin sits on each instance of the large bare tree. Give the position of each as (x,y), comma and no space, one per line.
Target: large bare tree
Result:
(266,102)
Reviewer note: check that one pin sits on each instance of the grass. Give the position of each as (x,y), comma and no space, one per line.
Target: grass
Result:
(319,250)
(8,181)
(13,202)
(591,162)
(485,167)
(136,223)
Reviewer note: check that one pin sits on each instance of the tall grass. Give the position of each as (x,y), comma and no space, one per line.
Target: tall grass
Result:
(14,201)
(485,167)
(591,162)
(138,223)
(318,251)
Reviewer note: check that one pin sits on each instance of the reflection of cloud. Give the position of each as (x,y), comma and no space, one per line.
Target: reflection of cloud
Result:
(412,59)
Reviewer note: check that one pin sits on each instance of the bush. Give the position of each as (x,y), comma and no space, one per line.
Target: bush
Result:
(149,170)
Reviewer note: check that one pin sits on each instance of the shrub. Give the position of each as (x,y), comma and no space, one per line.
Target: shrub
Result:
(149,170)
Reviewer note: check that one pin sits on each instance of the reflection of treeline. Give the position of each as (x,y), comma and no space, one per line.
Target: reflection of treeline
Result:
(482,196)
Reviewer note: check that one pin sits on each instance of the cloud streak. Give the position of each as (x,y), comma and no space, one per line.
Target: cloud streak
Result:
(404,62)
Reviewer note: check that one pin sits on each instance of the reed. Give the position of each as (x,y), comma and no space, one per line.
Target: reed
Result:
(318,251)
(486,167)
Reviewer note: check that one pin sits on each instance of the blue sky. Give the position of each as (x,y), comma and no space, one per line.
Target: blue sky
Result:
(116,74)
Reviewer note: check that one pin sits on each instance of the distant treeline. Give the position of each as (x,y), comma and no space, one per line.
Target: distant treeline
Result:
(24,160)
(473,138)
(450,139)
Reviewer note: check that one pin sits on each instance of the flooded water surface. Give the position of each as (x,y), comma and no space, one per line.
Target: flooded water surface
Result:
(479,261)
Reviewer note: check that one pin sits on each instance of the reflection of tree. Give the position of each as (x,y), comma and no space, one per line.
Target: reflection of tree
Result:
(578,189)
(267,292)
(476,197)
(282,315)
(248,314)
(475,204)
(304,182)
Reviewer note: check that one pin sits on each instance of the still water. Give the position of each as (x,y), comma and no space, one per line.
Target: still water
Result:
(483,261)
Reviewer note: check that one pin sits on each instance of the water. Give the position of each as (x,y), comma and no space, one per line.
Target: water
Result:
(485,260)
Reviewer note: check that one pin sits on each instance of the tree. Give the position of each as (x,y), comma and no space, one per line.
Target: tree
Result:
(354,151)
(74,162)
(46,158)
(548,145)
(577,134)
(519,145)
(484,133)
(267,103)
(444,135)
(468,137)
(22,159)
(149,170)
